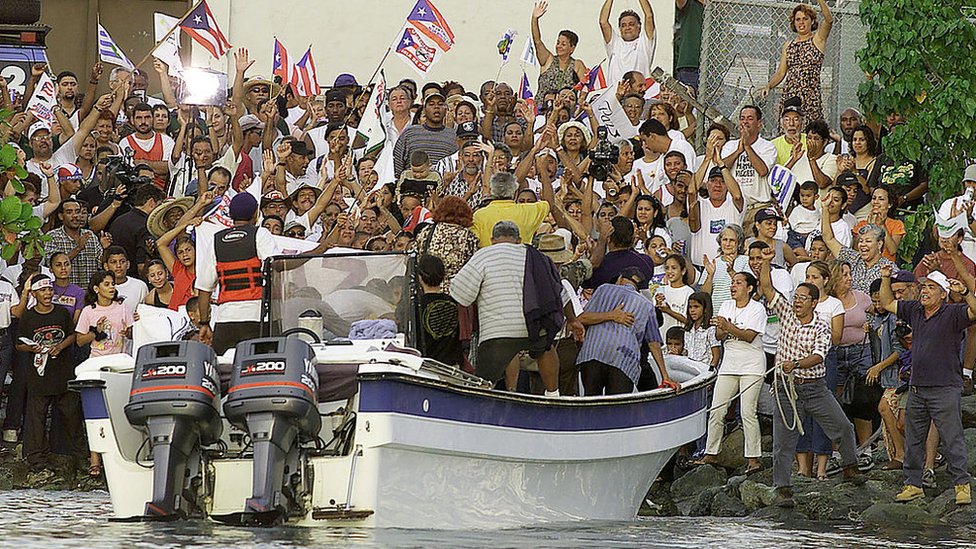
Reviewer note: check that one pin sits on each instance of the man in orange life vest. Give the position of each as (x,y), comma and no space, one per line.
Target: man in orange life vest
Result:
(148,146)
(234,263)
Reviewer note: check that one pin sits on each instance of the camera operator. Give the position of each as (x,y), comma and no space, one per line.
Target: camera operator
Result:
(129,229)
(113,192)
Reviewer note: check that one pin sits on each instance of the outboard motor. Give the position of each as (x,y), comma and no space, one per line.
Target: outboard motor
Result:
(273,396)
(175,399)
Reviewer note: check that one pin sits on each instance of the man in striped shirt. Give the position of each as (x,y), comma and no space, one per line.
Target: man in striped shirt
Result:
(494,278)
(431,136)
(804,340)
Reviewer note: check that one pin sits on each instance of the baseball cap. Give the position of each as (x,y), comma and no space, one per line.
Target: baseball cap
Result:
(767,213)
(299,148)
(345,79)
(846,178)
(251,122)
(792,105)
(432,95)
(939,278)
(69,172)
(335,95)
(272,196)
(36,127)
(715,172)
(907,277)
(467,129)
(949,227)
(243,206)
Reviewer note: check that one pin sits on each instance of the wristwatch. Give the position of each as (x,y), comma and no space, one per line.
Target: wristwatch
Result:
(796,365)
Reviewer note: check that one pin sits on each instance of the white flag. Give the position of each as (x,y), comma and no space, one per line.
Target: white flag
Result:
(42,102)
(110,52)
(528,53)
(371,128)
(169,51)
(609,113)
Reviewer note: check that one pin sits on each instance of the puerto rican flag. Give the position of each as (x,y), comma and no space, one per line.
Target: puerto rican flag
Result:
(595,80)
(525,93)
(202,27)
(304,80)
(426,19)
(282,66)
(414,51)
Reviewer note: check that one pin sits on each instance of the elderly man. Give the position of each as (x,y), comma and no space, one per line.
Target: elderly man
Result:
(620,320)
(707,217)
(521,307)
(936,384)
(804,340)
(527,217)
(629,49)
(750,158)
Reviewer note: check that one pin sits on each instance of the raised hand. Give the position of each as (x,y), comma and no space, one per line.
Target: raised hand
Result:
(96,71)
(268,160)
(709,265)
(768,254)
(539,9)
(283,150)
(957,286)
(37,69)
(161,68)
(241,60)
(886,270)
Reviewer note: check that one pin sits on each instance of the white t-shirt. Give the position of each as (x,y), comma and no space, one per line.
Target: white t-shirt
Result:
(842,232)
(8,299)
(713,220)
(742,358)
(828,309)
(133,290)
(827,164)
(623,57)
(805,221)
(677,299)
(653,172)
(782,283)
(754,187)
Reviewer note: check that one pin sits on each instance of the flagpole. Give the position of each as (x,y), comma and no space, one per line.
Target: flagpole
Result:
(378,67)
(176,26)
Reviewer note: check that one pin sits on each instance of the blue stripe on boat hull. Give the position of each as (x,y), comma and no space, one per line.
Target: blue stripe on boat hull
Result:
(93,403)
(392,396)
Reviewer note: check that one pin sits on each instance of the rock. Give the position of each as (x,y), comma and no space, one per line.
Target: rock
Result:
(964,515)
(701,506)
(658,502)
(944,503)
(970,435)
(732,455)
(887,514)
(755,495)
(724,505)
(838,501)
(968,406)
(695,481)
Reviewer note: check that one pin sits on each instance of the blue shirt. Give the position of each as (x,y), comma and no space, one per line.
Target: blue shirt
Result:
(936,342)
(616,344)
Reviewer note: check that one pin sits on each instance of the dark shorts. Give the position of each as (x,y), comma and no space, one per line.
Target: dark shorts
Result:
(226,335)
(495,354)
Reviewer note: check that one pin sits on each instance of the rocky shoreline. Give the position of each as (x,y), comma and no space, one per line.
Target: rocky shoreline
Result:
(63,473)
(724,491)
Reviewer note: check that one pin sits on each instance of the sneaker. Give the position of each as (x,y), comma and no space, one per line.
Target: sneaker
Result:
(833,466)
(928,479)
(909,493)
(784,498)
(10,435)
(865,462)
(964,494)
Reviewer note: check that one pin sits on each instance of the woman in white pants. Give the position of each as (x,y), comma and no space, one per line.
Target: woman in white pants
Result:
(739,323)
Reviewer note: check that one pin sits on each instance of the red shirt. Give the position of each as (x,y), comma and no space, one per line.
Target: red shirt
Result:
(182,286)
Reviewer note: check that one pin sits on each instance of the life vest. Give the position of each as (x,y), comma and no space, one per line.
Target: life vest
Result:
(154,154)
(238,264)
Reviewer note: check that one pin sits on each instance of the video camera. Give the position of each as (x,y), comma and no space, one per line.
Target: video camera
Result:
(119,172)
(604,156)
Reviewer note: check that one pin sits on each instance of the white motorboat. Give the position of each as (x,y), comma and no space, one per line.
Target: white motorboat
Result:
(365,432)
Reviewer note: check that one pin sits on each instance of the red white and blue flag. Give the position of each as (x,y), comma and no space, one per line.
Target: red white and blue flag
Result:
(305,82)
(525,93)
(282,66)
(594,80)
(201,25)
(415,51)
(426,19)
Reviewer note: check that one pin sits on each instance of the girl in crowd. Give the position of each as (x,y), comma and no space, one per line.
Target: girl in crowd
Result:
(658,250)
(814,440)
(649,221)
(700,342)
(672,298)
(103,323)
(765,230)
(161,290)
(739,323)
(182,263)
(70,296)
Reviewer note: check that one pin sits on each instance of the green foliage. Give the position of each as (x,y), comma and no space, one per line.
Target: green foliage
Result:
(920,55)
(20,228)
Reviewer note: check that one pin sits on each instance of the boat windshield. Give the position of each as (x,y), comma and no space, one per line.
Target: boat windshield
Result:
(352,296)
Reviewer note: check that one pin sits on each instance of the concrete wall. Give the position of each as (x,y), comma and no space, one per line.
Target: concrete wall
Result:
(352,35)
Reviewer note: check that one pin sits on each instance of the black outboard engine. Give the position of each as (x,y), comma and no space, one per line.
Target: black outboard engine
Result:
(175,398)
(273,396)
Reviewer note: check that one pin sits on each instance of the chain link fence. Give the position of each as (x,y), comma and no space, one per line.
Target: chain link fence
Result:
(742,41)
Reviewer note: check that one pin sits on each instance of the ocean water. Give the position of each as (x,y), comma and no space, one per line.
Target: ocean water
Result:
(36,519)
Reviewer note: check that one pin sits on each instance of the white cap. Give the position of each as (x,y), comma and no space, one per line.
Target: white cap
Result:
(970,173)
(36,127)
(940,279)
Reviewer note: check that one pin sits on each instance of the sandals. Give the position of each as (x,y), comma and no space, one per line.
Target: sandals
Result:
(823,477)
(753,470)
(95,471)
(704,460)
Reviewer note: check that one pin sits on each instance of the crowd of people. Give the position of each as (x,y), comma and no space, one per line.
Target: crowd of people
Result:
(544,267)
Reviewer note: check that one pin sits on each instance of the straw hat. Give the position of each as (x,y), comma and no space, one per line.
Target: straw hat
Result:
(554,247)
(156,217)
(258,80)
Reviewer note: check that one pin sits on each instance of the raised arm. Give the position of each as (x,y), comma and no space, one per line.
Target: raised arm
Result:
(541,52)
(649,28)
(169,97)
(90,90)
(829,239)
(766,276)
(887,297)
(241,64)
(605,27)
(823,31)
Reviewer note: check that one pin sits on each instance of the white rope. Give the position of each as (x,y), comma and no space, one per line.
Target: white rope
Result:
(790,395)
